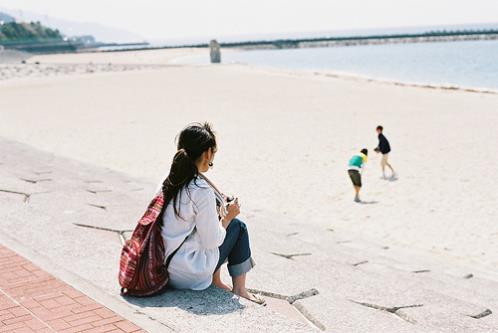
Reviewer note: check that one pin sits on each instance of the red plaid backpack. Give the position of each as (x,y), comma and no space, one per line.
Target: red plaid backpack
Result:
(143,270)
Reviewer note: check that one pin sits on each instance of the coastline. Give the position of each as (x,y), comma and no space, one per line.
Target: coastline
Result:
(95,62)
(450,87)
(195,60)
(365,78)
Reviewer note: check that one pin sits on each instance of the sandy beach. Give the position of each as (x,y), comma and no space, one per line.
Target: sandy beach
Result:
(284,142)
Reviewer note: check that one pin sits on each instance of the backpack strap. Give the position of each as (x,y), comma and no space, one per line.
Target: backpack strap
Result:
(166,265)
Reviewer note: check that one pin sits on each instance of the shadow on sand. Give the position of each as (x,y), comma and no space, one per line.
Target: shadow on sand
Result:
(371,202)
(206,302)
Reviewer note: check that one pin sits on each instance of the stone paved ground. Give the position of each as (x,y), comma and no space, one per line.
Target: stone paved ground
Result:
(32,300)
(62,215)
(76,215)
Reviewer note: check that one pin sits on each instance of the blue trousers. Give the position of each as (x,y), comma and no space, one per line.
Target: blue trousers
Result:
(236,249)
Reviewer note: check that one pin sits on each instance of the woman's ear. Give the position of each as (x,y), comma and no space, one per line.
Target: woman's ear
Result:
(208,154)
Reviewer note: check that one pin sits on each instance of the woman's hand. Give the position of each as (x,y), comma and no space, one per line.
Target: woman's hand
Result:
(232,211)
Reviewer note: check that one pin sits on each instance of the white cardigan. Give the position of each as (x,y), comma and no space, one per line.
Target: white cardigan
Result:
(192,267)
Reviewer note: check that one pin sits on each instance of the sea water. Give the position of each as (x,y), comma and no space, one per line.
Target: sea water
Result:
(460,63)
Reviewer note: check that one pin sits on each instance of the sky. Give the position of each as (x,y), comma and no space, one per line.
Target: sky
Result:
(167,19)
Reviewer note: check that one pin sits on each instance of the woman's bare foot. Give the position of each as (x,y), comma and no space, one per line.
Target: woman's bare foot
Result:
(247,295)
(220,284)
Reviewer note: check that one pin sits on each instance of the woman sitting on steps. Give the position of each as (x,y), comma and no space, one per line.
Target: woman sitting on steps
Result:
(206,237)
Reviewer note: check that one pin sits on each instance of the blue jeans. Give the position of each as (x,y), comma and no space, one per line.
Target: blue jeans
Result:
(236,249)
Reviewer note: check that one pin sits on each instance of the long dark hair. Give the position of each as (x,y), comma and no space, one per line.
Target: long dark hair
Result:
(192,141)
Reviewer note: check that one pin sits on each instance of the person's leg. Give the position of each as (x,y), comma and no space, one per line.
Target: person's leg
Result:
(236,249)
(390,167)
(239,286)
(386,163)
(356,180)
(240,261)
(357,193)
(225,249)
(218,282)
(356,177)
(383,162)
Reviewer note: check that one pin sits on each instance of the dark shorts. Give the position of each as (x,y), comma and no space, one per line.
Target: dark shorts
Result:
(355,177)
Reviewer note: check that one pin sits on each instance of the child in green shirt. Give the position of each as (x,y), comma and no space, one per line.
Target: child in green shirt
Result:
(355,166)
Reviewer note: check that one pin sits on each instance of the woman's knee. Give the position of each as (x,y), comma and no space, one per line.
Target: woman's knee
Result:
(238,223)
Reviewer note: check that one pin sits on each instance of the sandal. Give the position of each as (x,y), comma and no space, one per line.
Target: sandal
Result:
(258,300)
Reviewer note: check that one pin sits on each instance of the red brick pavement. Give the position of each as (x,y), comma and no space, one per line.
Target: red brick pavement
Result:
(31,300)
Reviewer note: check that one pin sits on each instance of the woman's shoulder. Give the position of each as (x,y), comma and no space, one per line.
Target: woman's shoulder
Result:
(198,184)
(200,192)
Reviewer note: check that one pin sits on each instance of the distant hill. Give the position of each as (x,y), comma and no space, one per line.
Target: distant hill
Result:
(28,32)
(5,18)
(102,33)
